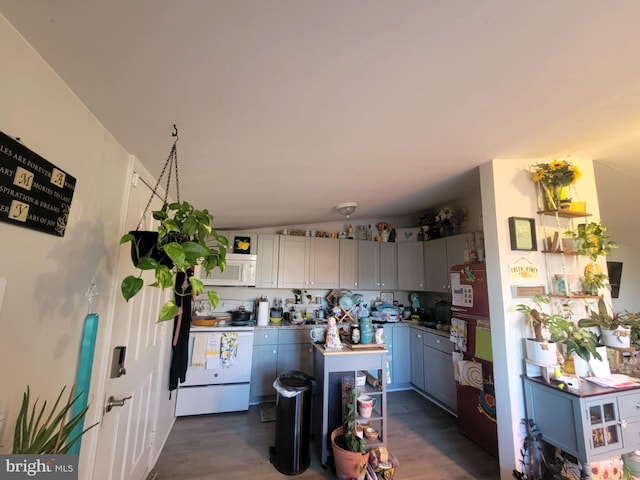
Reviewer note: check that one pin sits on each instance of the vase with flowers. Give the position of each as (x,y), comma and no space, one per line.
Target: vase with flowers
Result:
(449,220)
(384,229)
(553,178)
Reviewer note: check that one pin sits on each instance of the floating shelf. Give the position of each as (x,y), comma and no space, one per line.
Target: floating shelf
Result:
(564,213)
(574,295)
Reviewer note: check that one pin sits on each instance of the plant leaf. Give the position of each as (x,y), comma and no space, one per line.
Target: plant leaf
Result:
(168,312)
(130,286)
(214,299)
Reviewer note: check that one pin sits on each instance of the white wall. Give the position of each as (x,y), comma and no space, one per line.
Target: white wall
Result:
(620,217)
(508,191)
(47,276)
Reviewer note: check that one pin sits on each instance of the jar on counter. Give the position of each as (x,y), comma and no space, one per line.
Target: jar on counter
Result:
(366,331)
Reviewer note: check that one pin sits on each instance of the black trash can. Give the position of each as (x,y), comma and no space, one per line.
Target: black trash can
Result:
(293,423)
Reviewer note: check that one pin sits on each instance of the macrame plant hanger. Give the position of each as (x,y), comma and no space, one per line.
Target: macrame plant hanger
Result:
(172,162)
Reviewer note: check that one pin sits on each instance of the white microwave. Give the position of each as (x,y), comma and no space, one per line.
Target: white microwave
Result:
(239,272)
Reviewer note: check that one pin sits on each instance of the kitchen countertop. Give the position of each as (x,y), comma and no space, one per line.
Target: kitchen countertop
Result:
(289,326)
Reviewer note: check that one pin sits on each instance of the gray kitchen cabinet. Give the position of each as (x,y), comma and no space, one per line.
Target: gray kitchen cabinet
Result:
(377,265)
(293,262)
(439,255)
(388,266)
(368,265)
(264,365)
(398,340)
(410,266)
(324,269)
(592,423)
(267,261)
(439,381)
(305,262)
(416,347)
(348,263)
(294,351)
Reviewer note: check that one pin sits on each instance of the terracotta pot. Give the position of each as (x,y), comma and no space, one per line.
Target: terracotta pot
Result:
(348,464)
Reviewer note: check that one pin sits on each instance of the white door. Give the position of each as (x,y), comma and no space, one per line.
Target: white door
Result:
(125,437)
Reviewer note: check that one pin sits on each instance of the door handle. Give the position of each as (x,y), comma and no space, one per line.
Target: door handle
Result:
(112,402)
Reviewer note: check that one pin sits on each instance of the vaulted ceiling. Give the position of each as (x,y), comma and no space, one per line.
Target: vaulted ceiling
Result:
(286,108)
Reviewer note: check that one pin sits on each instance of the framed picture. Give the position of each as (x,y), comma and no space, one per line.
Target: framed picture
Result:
(387,298)
(242,245)
(522,232)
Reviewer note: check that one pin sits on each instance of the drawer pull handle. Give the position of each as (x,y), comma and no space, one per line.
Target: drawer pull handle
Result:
(623,423)
(438,341)
(637,404)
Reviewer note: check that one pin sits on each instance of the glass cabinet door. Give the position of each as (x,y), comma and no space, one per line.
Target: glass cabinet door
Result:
(604,426)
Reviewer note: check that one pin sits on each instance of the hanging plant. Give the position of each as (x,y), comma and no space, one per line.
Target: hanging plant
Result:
(184,239)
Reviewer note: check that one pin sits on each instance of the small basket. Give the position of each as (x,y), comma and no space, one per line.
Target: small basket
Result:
(207,321)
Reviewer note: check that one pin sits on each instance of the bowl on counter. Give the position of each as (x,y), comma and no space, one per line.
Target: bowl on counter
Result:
(370,433)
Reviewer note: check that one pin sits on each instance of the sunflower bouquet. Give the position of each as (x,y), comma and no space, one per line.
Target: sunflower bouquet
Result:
(552,178)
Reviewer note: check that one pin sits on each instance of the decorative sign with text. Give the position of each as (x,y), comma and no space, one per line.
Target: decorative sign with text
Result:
(33,192)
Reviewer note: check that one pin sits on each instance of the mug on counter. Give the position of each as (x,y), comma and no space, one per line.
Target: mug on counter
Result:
(366,405)
(317,333)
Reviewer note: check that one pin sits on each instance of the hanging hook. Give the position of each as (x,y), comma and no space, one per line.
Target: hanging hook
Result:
(175,131)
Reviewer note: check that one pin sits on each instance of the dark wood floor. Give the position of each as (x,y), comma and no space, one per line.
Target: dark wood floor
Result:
(236,446)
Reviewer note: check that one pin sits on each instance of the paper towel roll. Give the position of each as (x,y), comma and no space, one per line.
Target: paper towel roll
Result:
(263,313)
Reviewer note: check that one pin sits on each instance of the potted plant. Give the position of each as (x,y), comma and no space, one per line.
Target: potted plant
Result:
(616,329)
(38,432)
(540,349)
(593,242)
(349,453)
(535,462)
(184,235)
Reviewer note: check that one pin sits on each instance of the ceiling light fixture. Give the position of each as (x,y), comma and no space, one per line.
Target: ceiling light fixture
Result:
(346,209)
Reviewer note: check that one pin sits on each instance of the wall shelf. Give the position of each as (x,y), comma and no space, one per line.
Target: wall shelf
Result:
(563,213)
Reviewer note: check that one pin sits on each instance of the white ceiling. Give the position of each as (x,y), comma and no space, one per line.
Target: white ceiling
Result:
(286,108)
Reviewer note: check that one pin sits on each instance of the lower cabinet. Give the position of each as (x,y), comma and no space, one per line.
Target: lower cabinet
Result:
(597,423)
(439,380)
(417,361)
(399,344)
(294,351)
(276,351)
(264,364)
(431,366)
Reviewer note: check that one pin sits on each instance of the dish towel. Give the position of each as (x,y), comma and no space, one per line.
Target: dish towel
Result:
(458,334)
(228,349)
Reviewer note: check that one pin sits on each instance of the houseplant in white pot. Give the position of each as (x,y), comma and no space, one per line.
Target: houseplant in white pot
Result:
(540,349)
(615,329)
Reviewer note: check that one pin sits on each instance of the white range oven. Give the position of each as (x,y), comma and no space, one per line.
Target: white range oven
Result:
(219,371)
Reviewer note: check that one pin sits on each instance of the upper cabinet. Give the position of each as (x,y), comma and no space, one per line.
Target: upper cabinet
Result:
(410,266)
(368,265)
(388,266)
(305,262)
(348,263)
(439,256)
(267,265)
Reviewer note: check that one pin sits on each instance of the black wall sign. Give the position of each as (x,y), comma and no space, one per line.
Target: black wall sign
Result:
(33,192)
